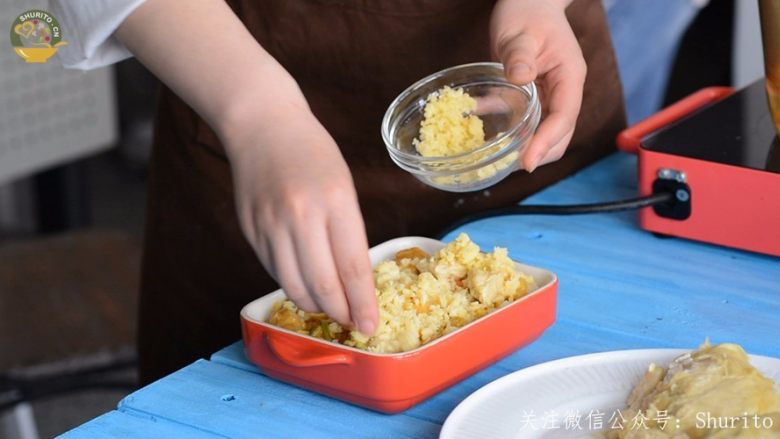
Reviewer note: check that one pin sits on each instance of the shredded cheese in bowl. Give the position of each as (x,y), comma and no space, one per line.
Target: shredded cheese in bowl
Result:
(450,127)
(422,297)
(463,128)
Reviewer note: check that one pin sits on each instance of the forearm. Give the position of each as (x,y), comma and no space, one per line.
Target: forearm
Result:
(203,52)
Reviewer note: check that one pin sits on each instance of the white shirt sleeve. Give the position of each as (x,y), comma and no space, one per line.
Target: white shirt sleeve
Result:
(88,26)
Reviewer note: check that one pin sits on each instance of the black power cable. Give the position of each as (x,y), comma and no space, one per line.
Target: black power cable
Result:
(564,209)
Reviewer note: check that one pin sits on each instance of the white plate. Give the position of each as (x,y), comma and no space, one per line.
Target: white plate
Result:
(530,402)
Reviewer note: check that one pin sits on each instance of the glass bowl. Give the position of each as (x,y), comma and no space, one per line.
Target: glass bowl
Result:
(510,115)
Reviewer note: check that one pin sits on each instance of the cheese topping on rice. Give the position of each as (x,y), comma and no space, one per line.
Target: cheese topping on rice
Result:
(422,297)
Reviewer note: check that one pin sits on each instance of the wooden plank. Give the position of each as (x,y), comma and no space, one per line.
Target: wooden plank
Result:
(126,426)
(562,340)
(620,288)
(618,277)
(435,411)
(233,355)
(231,402)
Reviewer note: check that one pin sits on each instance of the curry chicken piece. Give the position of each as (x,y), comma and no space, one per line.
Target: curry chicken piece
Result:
(410,253)
(316,324)
(287,319)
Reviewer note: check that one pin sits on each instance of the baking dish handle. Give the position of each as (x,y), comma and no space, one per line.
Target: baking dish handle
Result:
(630,138)
(303,353)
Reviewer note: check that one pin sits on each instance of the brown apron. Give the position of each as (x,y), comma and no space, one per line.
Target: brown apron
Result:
(351,58)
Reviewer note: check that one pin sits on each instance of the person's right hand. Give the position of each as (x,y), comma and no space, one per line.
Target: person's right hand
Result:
(296,202)
(298,209)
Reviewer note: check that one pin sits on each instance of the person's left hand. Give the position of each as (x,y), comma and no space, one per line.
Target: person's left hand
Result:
(534,41)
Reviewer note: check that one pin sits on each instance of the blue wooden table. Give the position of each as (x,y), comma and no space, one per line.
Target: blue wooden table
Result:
(620,288)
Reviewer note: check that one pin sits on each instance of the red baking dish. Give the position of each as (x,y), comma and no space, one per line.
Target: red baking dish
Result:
(392,383)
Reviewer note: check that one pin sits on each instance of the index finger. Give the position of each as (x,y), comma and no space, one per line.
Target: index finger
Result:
(350,252)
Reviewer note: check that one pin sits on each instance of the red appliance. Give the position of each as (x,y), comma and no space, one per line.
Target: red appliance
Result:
(717,150)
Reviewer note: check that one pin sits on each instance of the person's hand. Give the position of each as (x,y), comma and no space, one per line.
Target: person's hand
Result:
(295,198)
(298,208)
(534,41)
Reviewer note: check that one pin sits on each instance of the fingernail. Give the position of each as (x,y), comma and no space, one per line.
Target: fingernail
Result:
(366,327)
(519,71)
